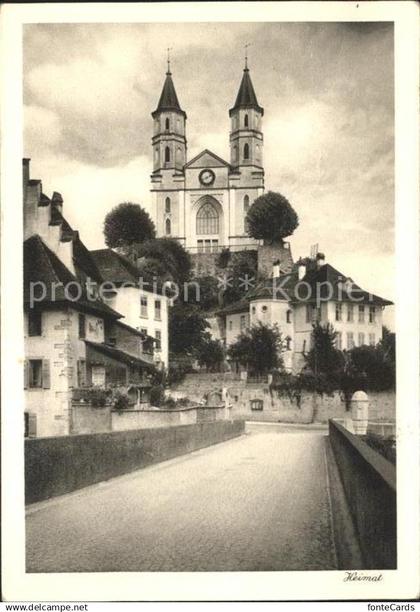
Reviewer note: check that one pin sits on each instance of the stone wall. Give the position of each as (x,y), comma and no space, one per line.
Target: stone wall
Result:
(369,482)
(269,253)
(86,419)
(55,466)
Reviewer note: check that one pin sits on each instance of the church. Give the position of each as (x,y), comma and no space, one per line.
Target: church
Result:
(203,202)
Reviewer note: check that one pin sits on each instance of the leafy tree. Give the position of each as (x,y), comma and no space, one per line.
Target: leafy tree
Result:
(127,224)
(374,366)
(241,269)
(187,328)
(211,354)
(271,218)
(388,343)
(258,349)
(323,357)
(223,258)
(208,294)
(171,254)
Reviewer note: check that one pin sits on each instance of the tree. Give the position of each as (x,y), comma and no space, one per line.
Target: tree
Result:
(271,218)
(323,357)
(208,296)
(242,274)
(258,349)
(374,365)
(172,255)
(211,354)
(126,225)
(187,328)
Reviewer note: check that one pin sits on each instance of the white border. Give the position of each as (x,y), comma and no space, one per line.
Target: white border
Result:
(402,583)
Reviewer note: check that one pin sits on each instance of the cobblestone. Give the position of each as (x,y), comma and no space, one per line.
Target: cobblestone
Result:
(259,502)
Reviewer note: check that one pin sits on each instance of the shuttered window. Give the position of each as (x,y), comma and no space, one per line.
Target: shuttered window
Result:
(37,374)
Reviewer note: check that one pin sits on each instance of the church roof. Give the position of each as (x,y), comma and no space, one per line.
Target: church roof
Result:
(246,97)
(168,100)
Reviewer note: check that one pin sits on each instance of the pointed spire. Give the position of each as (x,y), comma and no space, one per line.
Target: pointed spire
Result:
(168,100)
(246,97)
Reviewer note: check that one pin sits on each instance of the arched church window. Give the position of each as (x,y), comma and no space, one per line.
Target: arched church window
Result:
(179,155)
(168,205)
(246,209)
(235,153)
(168,227)
(167,154)
(246,120)
(246,151)
(167,123)
(207,220)
(258,153)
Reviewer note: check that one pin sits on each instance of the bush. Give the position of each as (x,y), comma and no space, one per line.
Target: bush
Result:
(258,349)
(157,395)
(127,224)
(120,401)
(223,258)
(211,354)
(169,258)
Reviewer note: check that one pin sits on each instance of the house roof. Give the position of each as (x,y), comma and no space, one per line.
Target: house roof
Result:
(119,355)
(246,97)
(168,100)
(137,332)
(43,267)
(236,307)
(114,267)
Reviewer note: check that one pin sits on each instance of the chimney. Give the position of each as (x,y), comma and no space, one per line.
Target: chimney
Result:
(320,260)
(301,268)
(276,268)
(25,173)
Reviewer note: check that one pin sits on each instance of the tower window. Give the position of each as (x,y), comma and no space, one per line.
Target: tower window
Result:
(246,120)
(246,151)
(168,205)
(167,154)
(207,220)
(246,209)
(235,153)
(168,227)
(167,123)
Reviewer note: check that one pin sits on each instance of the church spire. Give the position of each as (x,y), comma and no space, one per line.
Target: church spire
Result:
(168,100)
(246,97)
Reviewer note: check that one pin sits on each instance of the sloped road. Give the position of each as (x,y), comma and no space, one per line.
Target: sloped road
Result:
(259,502)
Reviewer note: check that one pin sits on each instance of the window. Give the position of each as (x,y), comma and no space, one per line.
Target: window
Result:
(309,313)
(168,227)
(143,331)
(264,308)
(246,209)
(253,310)
(158,340)
(230,325)
(81,373)
(339,341)
(304,347)
(256,404)
(288,343)
(246,151)
(35,373)
(350,313)
(34,323)
(372,339)
(235,153)
(168,205)
(338,312)
(361,313)
(361,339)
(246,120)
(82,326)
(143,306)
(158,315)
(167,154)
(350,340)
(207,220)
(243,322)
(289,316)
(372,314)
(167,124)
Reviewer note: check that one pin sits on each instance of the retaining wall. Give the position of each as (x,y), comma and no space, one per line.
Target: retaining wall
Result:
(369,482)
(54,466)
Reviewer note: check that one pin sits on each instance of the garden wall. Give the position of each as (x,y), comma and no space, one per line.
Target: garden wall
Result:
(55,466)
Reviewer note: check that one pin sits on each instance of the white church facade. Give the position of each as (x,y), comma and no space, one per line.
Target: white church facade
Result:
(203,202)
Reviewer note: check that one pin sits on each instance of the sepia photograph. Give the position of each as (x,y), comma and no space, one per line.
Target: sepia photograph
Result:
(209,269)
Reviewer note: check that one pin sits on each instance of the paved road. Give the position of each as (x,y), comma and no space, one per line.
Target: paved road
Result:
(259,502)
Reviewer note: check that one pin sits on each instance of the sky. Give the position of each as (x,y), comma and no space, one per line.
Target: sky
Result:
(328,94)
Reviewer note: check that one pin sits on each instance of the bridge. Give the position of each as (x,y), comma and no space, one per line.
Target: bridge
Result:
(262,501)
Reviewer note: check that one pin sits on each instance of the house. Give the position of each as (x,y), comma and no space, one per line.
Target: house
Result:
(73,339)
(314,291)
(144,310)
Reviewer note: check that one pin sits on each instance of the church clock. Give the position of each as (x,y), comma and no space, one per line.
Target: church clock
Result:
(206,177)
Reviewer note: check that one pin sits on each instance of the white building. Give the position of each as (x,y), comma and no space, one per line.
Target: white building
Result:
(203,202)
(313,291)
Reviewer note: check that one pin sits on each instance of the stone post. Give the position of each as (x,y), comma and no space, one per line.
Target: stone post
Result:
(360,412)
